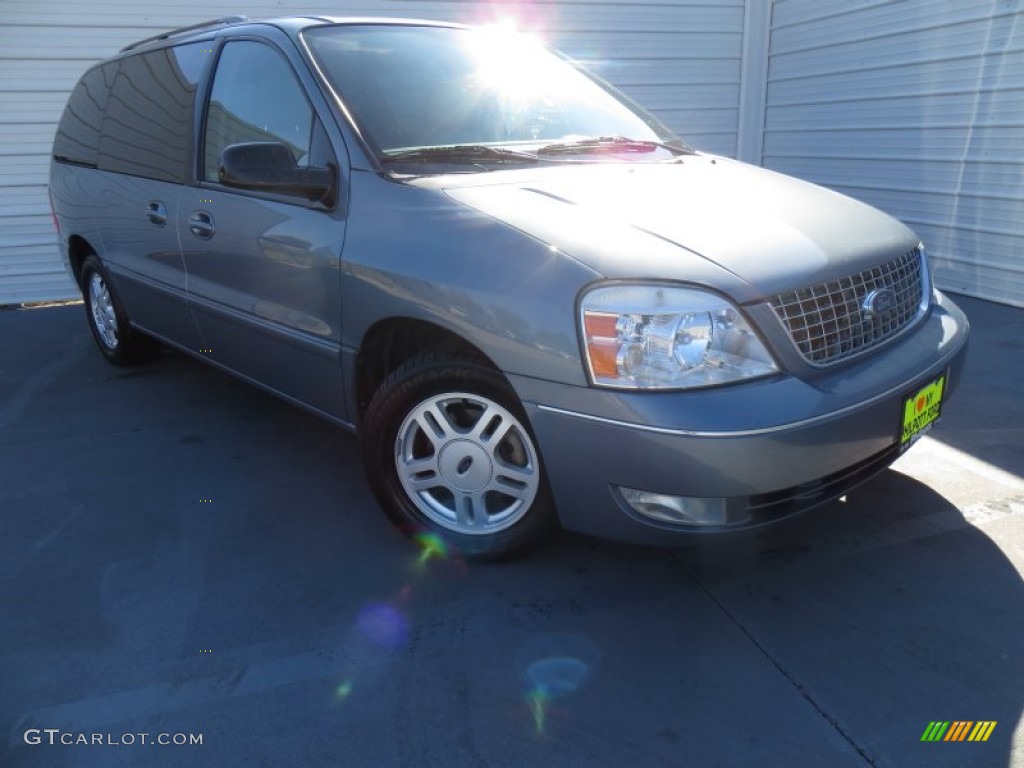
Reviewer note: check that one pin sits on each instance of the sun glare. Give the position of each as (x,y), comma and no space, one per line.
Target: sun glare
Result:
(511,63)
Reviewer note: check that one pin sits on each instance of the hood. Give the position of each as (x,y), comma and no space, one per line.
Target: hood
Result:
(710,220)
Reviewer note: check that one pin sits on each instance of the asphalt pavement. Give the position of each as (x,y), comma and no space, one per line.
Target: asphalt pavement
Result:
(184,558)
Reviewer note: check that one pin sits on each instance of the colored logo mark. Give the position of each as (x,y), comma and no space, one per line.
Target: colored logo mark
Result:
(958,730)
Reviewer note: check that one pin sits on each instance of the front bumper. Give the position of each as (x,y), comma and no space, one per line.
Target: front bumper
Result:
(768,448)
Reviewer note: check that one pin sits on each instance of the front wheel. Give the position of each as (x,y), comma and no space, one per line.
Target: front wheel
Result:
(448,451)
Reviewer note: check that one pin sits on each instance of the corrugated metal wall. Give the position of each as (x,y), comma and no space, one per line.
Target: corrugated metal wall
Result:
(680,58)
(916,107)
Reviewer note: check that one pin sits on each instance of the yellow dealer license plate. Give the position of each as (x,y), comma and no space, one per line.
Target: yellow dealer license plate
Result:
(921,410)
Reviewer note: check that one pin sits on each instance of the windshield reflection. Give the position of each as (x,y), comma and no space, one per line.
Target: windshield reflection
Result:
(412,87)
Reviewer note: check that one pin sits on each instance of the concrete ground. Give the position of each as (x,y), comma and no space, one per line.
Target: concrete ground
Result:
(183,554)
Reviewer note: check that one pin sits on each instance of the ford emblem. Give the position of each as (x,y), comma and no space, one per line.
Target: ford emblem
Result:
(879,303)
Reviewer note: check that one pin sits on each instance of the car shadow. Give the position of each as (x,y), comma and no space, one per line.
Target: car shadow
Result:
(984,418)
(888,611)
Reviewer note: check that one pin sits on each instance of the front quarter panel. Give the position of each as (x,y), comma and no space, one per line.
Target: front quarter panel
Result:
(415,253)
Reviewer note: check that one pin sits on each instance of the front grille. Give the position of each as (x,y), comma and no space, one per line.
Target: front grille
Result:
(833,321)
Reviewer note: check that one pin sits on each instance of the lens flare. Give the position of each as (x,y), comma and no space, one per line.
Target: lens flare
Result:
(383,625)
(432,547)
(557,675)
(343,690)
(553,666)
(537,701)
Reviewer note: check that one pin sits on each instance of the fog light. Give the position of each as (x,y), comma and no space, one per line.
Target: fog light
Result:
(680,510)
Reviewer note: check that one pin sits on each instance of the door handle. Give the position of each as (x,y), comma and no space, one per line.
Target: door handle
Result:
(201,224)
(156,213)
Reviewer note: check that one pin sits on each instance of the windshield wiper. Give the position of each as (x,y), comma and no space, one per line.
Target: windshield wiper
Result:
(611,144)
(459,153)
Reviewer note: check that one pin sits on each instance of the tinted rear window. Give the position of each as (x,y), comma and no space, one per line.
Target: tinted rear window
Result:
(148,124)
(78,134)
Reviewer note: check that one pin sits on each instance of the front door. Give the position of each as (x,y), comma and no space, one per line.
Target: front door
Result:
(264,268)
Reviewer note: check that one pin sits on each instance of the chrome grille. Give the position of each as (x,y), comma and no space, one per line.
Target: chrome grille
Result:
(839,319)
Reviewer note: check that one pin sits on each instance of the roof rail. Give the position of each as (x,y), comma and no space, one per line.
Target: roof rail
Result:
(182,30)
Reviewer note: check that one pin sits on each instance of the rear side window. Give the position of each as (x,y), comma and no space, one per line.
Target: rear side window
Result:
(78,134)
(256,97)
(148,124)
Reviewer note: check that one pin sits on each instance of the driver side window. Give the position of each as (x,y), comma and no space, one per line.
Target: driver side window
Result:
(255,97)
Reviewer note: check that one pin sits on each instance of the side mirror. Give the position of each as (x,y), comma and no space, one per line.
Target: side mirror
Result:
(269,166)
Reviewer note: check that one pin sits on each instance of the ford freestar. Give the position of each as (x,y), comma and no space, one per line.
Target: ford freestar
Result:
(534,303)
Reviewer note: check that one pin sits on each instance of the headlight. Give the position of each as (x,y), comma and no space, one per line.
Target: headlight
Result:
(665,337)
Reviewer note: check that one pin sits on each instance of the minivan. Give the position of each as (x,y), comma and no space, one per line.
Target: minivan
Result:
(535,304)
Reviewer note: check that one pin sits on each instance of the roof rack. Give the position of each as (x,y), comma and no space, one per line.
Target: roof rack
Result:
(182,30)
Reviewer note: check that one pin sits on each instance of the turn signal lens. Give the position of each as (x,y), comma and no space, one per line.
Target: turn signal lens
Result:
(602,346)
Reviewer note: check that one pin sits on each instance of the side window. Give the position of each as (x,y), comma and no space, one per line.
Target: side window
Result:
(256,97)
(78,134)
(148,123)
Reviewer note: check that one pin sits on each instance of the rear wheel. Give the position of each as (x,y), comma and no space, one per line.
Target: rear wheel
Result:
(448,451)
(118,341)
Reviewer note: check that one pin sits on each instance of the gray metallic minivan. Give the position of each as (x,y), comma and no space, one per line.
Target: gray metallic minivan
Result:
(535,304)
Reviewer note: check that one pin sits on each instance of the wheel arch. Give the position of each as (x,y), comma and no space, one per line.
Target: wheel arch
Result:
(79,249)
(391,341)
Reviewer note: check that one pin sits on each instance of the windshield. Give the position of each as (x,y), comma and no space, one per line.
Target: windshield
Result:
(412,87)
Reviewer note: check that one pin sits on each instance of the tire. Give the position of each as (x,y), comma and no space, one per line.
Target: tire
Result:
(118,341)
(448,451)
